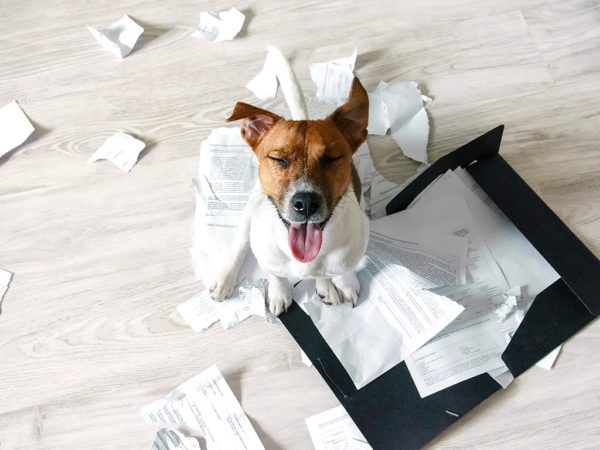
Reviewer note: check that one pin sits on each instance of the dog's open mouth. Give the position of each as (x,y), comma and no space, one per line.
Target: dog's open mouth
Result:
(304,239)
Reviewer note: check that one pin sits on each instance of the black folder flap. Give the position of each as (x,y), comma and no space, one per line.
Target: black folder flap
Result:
(389,411)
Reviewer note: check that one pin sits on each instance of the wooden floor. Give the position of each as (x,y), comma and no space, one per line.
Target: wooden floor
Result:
(89,332)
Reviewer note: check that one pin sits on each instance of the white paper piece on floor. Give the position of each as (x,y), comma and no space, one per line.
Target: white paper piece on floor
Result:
(398,105)
(250,301)
(200,312)
(5,277)
(264,84)
(15,127)
(118,38)
(220,26)
(305,359)
(166,439)
(206,404)
(227,181)
(122,149)
(548,361)
(333,79)
(334,429)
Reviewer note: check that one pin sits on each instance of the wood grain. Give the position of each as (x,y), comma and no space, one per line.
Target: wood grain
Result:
(89,332)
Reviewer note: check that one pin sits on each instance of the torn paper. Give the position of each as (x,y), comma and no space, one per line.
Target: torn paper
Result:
(206,405)
(247,300)
(15,127)
(200,312)
(264,84)
(333,79)
(511,298)
(122,149)
(399,106)
(220,26)
(118,38)
(166,439)
(305,359)
(5,277)
(334,429)
(548,361)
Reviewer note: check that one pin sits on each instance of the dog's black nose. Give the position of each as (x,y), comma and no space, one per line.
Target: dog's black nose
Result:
(306,203)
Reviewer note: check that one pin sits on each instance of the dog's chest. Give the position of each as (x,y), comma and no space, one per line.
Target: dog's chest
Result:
(345,239)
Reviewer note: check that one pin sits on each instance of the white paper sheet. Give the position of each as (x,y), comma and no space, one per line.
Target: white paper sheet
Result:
(333,79)
(5,277)
(334,430)
(205,404)
(121,149)
(118,38)
(305,359)
(15,127)
(220,26)
(399,106)
(548,361)
(264,84)
(166,439)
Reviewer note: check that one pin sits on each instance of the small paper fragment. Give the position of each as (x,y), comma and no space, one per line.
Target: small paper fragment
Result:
(200,312)
(264,84)
(305,359)
(511,300)
(5,277)
(118,38)
(249,302)
(220,26)
(15,127)
(122,149)
(334,429)
(167,439)
(333,79)
(548,361)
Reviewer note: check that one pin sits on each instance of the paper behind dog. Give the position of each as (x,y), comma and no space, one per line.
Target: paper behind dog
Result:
(220,26)
(206,405)
(121,149)
(333,79)
(118,38)
(15,127)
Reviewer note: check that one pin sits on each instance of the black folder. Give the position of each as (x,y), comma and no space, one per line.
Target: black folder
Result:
(389,411)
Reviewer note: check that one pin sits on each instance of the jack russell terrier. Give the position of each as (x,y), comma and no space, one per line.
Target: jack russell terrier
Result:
(305,219)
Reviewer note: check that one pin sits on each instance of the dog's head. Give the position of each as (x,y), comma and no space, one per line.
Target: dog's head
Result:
(305,166)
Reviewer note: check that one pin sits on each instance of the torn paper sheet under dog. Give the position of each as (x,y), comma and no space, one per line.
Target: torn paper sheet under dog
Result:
(206,405)
(333,79)
(15,127)
(393,316)
(399,106)
(220,26)
(5,277)
(118,38)
(334,430)
(166,439)
(121,149)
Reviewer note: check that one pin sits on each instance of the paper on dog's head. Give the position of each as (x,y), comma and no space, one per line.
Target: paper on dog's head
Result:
(305,166)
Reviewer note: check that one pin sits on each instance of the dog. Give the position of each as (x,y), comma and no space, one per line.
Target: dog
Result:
(305,219)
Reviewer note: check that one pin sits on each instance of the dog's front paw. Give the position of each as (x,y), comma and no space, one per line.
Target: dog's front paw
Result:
(279,296)
(328,292)
(348,287)
(223,285)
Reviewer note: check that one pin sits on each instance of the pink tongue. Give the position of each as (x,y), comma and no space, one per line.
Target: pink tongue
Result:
(304,240)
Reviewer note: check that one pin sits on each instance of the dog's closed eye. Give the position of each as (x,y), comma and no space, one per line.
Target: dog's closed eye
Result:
(281,161)
(328,160)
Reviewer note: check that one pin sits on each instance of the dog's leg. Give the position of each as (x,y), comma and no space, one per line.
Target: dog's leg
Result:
(279,294)
(222,286)
(341,289)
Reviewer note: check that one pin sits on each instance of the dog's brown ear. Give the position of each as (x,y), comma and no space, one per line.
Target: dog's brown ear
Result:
(255,124)
(352,117)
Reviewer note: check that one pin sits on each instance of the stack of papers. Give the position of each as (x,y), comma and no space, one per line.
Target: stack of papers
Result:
(203,408)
